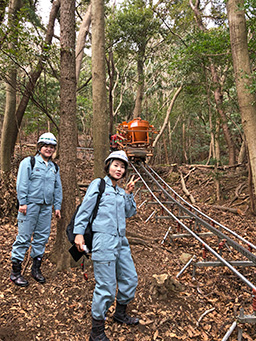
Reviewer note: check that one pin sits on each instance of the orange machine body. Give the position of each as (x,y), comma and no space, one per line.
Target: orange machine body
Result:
(137,138)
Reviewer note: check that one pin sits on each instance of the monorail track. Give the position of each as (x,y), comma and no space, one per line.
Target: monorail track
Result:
(179,210)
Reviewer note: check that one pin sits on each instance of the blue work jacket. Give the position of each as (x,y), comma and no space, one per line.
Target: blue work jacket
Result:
(42,185)
(115,206)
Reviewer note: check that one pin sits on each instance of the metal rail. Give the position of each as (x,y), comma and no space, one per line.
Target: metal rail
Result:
(201,213)
(199,220)
(189,212)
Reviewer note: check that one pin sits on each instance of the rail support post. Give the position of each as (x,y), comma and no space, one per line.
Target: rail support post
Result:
(246,318)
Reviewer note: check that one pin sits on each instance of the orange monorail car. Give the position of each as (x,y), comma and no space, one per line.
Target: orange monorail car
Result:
(136,138)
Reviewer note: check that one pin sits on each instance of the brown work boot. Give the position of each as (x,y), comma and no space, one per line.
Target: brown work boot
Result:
(16,276)
(98,333)
(36,271)
(121,316)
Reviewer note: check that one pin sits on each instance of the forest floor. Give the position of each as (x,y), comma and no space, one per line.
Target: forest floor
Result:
(200,308)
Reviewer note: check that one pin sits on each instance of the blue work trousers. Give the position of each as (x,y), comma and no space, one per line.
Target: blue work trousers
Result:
(36,223)
(108,275)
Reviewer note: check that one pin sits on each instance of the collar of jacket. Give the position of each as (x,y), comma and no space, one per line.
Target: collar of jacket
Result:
(109,183)
(41,160)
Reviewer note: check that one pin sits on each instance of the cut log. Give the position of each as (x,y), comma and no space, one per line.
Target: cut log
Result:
(229,209)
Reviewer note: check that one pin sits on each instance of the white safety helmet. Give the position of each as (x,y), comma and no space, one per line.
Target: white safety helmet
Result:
(47,138)
(120,155)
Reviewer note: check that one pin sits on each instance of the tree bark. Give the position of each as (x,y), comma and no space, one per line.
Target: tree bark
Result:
(68,131)
(111,74)
(140,90)
(99,95)
(243,77)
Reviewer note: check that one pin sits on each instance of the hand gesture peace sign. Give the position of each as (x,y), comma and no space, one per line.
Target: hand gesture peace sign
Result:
(131,184)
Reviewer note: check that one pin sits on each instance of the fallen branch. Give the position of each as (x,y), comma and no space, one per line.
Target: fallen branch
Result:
(238,191)
(203,315)
(214,166)
(185,190)
(191,170)
(136,238)
(137,241)
(229,209)
(25,263)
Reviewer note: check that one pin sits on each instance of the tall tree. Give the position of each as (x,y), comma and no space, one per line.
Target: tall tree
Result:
(218,94)
(243,77)
(11,79)
(10,131)
(68,129)
(132,29)
(100,110)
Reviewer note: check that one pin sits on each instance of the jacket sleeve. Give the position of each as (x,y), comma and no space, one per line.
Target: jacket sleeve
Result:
(23,181)
(84,213)
(130,205)
(57,192)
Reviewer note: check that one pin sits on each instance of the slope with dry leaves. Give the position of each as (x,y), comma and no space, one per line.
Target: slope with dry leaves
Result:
(204,309)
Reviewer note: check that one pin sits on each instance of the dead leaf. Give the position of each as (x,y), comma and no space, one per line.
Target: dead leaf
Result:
(155,335)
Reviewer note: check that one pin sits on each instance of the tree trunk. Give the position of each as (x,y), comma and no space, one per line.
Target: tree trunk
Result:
(111,74)
(242,152)
(140,90)
(212,153)
(169,110)
(243,77)
(83,31)
(99,95)
(184,144)
(217,141)
(68,130)
(165,151)
(3,5)
(170,132)
(12,133)
(218,96)
(9,123)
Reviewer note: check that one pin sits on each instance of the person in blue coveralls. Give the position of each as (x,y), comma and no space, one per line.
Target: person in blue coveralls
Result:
(38,188)
(111,255)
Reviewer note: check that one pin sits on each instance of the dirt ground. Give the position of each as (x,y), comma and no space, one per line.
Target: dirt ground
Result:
(200,308)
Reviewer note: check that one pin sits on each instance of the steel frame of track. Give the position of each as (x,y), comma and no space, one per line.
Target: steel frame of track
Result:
(194,213)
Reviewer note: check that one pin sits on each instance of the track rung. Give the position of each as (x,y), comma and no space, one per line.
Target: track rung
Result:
(233,263)
(163,217)
(156,203)
(187,235)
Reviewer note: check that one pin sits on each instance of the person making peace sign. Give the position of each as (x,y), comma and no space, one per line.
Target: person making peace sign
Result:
(111,255)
